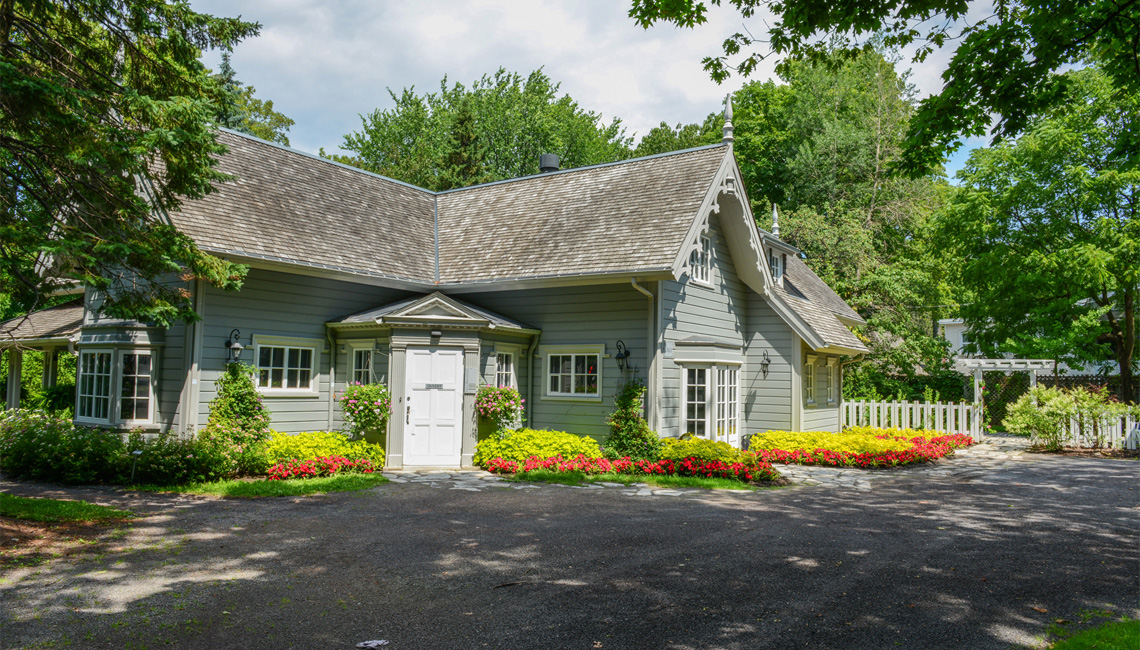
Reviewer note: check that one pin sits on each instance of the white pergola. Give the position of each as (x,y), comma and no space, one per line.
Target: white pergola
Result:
(977,366)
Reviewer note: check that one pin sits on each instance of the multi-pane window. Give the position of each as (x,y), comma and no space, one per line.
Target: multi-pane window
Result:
(700,261)
(829,382)
(696,401)
(135,400)
(776,265)
(712,402)
(94,392)
(362,366)
(573,374)
(505,370)
(726,403)
(809,380)
(284,367)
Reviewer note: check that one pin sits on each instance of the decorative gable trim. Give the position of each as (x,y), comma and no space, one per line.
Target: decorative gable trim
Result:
(436,308)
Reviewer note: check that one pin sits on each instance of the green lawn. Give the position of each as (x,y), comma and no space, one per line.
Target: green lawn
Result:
(1121,635)
(263,488)
(55,510)
(579,478)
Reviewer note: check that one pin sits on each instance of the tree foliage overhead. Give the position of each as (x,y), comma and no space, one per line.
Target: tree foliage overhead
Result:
(241,111)
(1004,62)
(106,115)
(820,146)
(1047,233)
(513,120)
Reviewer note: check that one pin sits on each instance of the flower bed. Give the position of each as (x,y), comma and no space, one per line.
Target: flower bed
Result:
(883,447)
(323,466)
(752,470)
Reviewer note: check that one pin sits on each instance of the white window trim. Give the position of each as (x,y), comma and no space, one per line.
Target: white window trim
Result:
(516,358)
(115,396)
(546,351)
(809,379)
(776,259)
(110,386)
(352,346)
(117,369)
(832,395)
(706,268)
(711,375)
(317,347)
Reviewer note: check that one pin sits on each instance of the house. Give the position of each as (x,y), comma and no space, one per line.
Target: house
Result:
(565,284)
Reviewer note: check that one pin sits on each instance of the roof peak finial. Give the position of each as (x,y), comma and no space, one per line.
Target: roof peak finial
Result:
(728,118)
(775,221)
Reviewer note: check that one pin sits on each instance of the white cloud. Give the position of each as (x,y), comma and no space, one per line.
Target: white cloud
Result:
(323,62)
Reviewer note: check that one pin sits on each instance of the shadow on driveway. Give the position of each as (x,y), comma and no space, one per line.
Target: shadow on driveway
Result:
(918,562)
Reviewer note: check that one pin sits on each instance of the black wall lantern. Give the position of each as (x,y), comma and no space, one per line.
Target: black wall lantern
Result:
(622,355)
(764,363)
(233,344)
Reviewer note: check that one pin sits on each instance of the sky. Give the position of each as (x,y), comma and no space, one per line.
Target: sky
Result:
(326,62)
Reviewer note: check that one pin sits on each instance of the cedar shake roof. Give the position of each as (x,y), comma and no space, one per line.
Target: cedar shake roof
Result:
(287,206)
(813,301)
(628,216)
(59,322)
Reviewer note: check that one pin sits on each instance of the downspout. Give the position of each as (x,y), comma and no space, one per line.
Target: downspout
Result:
(332,375)
(530,380)
(650,341)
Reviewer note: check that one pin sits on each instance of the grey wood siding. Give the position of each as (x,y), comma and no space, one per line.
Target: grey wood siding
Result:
(171,378)
(767,400)
(272,303)
(692,309)
(584,315)
(821,416)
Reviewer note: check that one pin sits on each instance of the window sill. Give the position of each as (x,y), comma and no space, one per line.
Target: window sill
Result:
(572,398)
(700,283)
(273,393)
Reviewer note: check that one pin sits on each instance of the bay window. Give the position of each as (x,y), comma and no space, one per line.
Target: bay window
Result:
(115,387)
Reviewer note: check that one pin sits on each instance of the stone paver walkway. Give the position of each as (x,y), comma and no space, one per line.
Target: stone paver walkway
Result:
(994,453)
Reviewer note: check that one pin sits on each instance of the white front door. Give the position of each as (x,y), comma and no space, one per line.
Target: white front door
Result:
(433,416)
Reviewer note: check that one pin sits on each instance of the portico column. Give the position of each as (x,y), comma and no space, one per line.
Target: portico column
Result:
(15,372)
(51,367)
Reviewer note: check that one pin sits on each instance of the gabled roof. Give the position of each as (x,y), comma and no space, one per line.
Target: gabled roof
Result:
(434,308)
(816,311)
(624,217)
(59,323)
(287,206)
(290,207)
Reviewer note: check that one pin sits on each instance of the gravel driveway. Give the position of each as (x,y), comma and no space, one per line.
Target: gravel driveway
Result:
(981,560)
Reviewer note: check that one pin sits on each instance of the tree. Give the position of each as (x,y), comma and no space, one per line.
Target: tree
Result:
(821,146)
(663,138)
(106,127)
(514,120)
(1004,63)
(1047,232)
(241,111)
(465,162)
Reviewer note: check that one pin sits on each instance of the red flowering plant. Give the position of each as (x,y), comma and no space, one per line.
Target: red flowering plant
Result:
(750,469)
(317,467)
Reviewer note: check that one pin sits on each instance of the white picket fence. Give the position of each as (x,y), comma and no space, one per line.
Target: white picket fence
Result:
(946,417)
(1118,433)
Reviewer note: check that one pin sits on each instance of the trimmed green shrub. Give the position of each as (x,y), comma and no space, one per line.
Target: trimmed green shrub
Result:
(524,443)
(39,446)
(238,426)
(320,444)
(171,460)
(677,449)
(630,434)
(1044,414)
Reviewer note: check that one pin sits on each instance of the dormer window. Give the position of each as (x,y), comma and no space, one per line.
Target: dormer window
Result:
(776,265)
(700,262)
